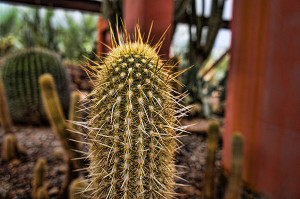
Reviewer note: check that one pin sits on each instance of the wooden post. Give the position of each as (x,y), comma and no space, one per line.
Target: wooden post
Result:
(263,99)
(144,12)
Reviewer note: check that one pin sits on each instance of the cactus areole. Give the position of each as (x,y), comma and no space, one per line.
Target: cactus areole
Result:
(133,124)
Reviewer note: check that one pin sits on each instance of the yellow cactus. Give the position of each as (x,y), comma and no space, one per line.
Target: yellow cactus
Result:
(133,123)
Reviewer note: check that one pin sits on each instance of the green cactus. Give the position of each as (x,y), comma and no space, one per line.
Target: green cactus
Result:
(20,73)
(63,130)
(77,188)
(132,124)
(235,178)
(10,147)
(42,193)
(209,173)
(39,176)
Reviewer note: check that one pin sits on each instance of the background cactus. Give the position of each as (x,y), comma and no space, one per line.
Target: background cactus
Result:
(39,176)
(10,147)
(77,188)
(132,124)
(209,172)
(235,178)
(63,130)
(5,119)
(42,193)
(20,73)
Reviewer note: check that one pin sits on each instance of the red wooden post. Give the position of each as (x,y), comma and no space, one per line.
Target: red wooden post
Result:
(143,12)
(263,99)
(102,38)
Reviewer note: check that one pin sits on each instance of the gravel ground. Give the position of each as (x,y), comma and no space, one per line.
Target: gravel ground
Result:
(16,176)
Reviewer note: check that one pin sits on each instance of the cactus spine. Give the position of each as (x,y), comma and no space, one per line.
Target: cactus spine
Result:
(39,176)
(132,124)
(20,73)
(209,173)
(235,179)
(77,188)
(68,140)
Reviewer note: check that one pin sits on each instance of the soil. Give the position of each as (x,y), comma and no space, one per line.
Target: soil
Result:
(40,142)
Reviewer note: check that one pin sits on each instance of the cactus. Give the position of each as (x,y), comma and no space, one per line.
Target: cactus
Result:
(42,193)
(77,188)
(132,123)
(5,119)
(10,147)
(235,178)
(20,73)
(68,140)
(209,173)
(40,170)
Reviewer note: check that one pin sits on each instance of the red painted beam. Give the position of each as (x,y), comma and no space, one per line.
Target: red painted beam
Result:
(83,5)
(263,99)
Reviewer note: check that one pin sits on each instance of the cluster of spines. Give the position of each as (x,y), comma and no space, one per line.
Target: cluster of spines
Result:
(20,72)
(132,125)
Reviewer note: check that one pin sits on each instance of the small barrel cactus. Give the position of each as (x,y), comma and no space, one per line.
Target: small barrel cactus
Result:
(132,124)
(21,72)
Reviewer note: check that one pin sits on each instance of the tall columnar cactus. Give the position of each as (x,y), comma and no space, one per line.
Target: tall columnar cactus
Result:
(39,176)
(132,124)
(62,128)
(20,73)
(209,173)
(235,179)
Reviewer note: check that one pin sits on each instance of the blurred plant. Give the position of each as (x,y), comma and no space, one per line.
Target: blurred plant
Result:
(6,44)
(63,130)
(209,173)
(10,147)
(202,35)
(42,193)
(228,184)
(20,72)
(78,39)
(39,177)
(9,18)
(38,30)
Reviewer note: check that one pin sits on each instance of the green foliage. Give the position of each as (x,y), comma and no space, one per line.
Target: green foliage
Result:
(6,44)
(39,176)
(10,147)
(83,33)
(20,73)
(235,179)
(35,27)
(77,188)
(8,21)
(209,173)
(132,124)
